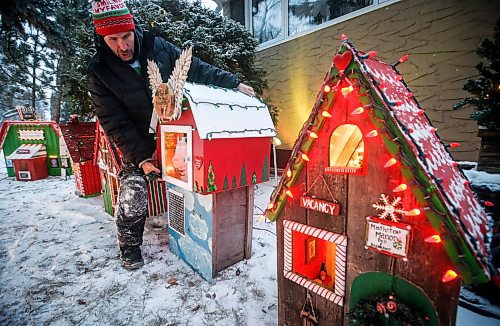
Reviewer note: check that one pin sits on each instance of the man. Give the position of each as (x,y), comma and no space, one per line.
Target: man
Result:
(118,84)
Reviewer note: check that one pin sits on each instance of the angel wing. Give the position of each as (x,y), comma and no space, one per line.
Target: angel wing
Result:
(178,78)
(155,80)
(154,76)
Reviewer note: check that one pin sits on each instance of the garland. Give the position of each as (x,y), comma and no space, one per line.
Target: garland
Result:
(368,311)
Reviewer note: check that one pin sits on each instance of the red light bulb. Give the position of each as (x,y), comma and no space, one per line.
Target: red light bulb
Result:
(413,212)
(433,239)
(450,275)
(312,134)
(401,187)
(404,58)
(390,162)
(359,110)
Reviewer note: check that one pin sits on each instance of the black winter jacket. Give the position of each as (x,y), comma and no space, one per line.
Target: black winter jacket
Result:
(122,98)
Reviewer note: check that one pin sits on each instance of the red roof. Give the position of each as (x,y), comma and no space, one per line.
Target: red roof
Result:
(453,186)
(80,137)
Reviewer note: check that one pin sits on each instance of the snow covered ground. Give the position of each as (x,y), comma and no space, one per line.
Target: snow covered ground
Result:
(59,266)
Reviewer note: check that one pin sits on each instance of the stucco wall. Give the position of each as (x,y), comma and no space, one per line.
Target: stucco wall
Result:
(440,36)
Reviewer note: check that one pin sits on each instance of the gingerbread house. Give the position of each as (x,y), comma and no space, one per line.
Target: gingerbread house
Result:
(376,223)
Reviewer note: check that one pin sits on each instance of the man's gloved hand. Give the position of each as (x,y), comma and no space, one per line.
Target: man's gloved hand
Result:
(150,170)
(245,89)
(151,176)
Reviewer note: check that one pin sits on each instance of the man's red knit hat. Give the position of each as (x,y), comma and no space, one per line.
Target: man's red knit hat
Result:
(111,16)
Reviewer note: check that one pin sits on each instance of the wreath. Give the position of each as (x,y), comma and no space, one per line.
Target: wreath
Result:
(368,311)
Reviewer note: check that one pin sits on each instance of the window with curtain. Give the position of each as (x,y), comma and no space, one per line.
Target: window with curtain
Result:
(266,19)
(305,14)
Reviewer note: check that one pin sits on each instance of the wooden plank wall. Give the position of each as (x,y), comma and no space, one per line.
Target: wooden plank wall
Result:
(229,227)
(356,194)
(291,296)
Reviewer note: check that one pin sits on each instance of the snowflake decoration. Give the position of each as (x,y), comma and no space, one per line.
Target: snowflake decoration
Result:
(389,209)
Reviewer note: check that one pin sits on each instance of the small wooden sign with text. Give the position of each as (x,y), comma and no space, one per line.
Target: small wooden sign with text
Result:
(320,205)
(387,237)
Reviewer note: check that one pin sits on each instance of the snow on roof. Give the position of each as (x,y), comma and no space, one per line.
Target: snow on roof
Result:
(226,113)
(28,151)
(461,202)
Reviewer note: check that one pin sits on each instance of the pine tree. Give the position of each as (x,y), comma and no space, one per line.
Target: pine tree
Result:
(217,40)
(234,183)
(225,186)
(243,176)
(27,69)
(70,96)
(486,89)
(254,178)
(41,43)
(18,14)
(211,179)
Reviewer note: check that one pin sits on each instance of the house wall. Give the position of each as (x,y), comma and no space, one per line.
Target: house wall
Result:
(234,160)
(195,247)
(440,36)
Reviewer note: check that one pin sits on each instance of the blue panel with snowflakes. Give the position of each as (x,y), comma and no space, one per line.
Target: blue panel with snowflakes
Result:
(190,228)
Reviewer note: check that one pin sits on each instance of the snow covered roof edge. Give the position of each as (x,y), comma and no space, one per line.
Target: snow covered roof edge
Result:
(226,113)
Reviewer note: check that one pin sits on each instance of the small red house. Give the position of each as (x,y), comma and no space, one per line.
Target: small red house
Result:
(376,222)
(80,139)
(30,162)
(213,151)
(220,142)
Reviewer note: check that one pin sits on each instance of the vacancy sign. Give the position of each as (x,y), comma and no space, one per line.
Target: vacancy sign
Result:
(320,205)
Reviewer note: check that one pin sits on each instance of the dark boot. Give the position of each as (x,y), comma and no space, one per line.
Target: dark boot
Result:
(131,257)
(130,215)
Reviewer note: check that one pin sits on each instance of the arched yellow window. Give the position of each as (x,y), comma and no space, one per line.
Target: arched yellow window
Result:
(346,150)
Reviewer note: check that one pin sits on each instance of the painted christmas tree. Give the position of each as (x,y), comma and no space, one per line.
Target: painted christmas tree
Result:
(243,176)
(211,179)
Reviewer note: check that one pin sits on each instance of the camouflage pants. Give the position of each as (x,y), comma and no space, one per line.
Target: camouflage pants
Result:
(132,207)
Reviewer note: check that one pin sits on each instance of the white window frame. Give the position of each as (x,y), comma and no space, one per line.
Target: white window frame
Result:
(21,177)
(188,130)
(338,293)
(377,4)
